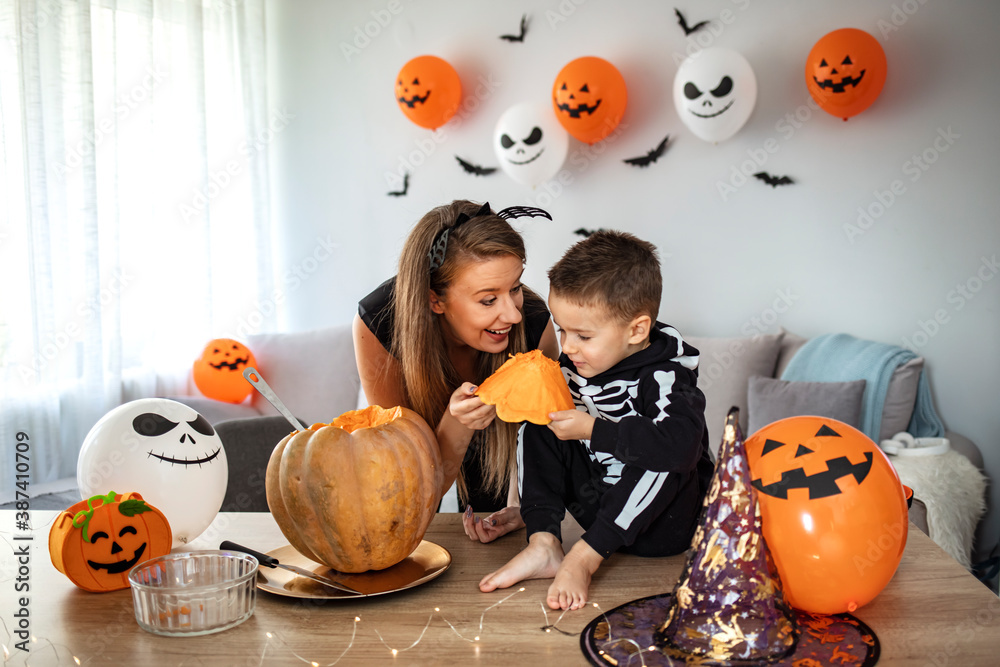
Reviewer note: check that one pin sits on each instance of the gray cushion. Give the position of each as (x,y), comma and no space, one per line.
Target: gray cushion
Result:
(790,344)
(770,399)
(217,411)
(313,372)
(249,443)
(724,369)
(900,398)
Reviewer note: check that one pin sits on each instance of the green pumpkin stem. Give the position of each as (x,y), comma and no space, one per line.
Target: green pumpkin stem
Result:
(82,518)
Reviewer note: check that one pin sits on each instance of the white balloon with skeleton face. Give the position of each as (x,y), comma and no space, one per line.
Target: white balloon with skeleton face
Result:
(530,143)
(715,91)
(164,450)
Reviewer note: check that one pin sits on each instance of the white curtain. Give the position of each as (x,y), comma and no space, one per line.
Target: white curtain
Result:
(134,209)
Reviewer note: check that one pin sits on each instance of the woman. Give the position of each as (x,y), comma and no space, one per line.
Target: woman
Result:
(451,317)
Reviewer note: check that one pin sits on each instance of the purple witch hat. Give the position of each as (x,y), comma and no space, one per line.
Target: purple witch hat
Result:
(728,607)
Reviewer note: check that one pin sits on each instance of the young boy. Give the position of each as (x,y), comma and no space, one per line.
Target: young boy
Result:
(631,463)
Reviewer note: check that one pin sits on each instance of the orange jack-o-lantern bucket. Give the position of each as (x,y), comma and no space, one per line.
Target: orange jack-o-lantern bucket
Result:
(97,541)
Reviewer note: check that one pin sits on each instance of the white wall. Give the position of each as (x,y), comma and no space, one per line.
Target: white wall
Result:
(726,259)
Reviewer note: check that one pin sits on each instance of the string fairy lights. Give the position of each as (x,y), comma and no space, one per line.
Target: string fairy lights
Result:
(275,642)
(394,651)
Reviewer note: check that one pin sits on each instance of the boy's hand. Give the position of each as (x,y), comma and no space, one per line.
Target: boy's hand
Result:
(571,424)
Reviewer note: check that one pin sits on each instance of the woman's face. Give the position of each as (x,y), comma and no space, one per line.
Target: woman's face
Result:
(482,304)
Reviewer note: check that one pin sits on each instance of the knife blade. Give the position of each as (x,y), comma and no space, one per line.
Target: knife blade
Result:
(271,561)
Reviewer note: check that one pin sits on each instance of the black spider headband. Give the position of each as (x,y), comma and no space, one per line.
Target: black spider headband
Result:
(440,244)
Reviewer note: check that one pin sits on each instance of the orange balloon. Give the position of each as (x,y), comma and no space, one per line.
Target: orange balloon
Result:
(428,91)
(845,72)
(589,98)
(832,511)
(218,373)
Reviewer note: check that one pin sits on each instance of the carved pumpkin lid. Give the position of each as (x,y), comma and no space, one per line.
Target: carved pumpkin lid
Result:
(527,387)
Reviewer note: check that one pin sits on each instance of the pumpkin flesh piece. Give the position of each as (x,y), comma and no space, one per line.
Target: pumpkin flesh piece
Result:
(527,387)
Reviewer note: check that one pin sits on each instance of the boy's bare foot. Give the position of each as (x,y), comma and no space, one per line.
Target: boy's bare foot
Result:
(572,581)
(539,560)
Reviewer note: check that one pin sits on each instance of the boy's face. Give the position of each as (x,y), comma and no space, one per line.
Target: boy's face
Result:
(592,340)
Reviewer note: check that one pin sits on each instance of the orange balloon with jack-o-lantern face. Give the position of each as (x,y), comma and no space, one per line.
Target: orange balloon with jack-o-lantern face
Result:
(832,511)
(589,98)
(218,373)
(97,541)
(428,91)
(845,72)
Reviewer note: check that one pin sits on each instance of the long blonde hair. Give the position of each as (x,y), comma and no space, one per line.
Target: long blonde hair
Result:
(429,376)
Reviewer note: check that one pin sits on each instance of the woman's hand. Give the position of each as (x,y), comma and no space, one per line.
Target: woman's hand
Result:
(469,410)
(572,424)
(494,526)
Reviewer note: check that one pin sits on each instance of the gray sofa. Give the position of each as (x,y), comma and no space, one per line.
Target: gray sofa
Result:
(315,374)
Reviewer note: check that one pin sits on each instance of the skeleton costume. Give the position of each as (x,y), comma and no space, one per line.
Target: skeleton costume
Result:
(638,483)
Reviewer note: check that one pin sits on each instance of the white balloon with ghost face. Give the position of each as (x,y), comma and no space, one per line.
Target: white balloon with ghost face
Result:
(715,91)
(164,450)
(530,143)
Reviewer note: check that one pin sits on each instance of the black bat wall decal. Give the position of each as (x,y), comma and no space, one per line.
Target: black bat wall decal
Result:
(587,232)
(773,181)
(524,31)
(474,169)
(650,157)
(406,186)
(682,22)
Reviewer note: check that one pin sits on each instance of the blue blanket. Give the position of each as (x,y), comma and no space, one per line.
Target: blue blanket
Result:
(843,358)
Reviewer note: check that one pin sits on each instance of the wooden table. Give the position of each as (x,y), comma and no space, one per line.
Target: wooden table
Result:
(933,612)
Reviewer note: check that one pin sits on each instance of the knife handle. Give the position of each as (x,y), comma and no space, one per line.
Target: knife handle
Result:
(263,559)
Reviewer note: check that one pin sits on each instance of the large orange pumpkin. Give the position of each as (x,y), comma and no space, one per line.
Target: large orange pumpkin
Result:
(97,541)
(218,373)
(832,510)
(359,493)
(527,388)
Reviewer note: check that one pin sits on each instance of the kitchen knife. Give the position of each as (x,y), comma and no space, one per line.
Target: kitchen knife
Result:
(271,561)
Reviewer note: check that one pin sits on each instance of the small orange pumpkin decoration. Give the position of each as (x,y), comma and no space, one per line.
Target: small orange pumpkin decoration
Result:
(527,387)
(97,541)
(589,98)
(359,493)
(218,373)
(845,72)
(428,91)
(832,511)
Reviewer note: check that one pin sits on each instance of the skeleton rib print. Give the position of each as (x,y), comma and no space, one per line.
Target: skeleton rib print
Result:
(614,401)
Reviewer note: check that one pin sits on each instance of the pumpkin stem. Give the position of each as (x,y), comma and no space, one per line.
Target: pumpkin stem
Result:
(82,518)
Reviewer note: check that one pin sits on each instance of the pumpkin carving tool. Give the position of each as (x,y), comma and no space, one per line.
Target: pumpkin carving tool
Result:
(271,561)
(254,377)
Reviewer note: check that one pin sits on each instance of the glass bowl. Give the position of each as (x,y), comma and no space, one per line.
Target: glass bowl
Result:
(194,592)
